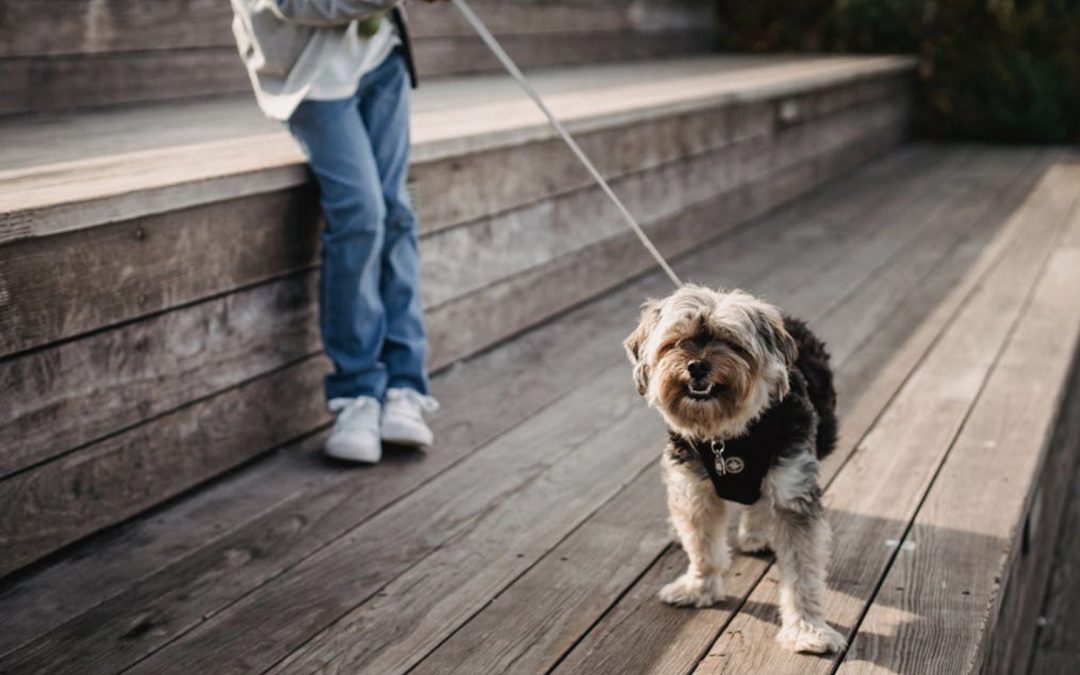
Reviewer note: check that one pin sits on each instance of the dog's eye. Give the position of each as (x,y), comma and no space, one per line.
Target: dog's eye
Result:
(733,346)
(665,348)
(689,343)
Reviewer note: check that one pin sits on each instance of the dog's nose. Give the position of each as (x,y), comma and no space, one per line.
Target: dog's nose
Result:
(698,369)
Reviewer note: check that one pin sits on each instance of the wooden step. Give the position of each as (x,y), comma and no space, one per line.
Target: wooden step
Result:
(158,296)
(533,539)
(66,54)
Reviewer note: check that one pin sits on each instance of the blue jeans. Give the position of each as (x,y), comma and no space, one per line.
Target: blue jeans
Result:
(369,292)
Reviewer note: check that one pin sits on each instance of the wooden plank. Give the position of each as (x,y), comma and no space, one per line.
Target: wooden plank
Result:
(218,235)
(119,272)
(526,174)
(440,57)
(564,462)
(507,307)
(69,81)
(82,391)
(1057,650)
(559,354)
(507,244)
(125,186)
(36,85)
(541,615)
(639,628)
(1003,444)
(53,504)
(1019,615)
(876,495)
(27,142)
(51,27)
(55,591)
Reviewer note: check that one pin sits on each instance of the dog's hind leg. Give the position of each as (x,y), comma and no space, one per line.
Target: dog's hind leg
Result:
(802,539)
(699,518)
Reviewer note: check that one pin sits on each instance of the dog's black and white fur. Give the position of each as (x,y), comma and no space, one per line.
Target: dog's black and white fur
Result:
(748,398)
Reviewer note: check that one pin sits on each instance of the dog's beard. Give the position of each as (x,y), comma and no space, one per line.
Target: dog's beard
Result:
(721,406)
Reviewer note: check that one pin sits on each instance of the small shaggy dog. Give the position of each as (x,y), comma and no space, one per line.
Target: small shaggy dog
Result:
(748,398)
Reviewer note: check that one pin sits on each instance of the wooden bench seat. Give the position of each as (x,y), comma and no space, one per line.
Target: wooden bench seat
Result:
(532,539)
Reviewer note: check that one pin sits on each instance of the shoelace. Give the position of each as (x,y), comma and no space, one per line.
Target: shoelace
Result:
(424,403)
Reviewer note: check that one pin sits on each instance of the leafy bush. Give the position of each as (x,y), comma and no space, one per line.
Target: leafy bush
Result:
(1006,70)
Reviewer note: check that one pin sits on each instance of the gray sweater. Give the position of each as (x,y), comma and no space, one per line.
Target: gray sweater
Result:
(284,43)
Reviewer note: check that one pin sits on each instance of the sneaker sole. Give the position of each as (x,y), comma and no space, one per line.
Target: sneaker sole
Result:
(349,455)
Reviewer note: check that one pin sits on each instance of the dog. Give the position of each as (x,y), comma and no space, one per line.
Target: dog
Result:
(747,394)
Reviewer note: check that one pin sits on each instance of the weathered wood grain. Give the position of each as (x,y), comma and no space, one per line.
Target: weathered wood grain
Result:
(549,360)
(228,331)
(815,226)
(119,272)
(143,266)
(1057,647)
(331,650)
(531,624)
(524,238)
(460,189)
(565,461)
(558,355)
(81,391)
(639,629)
(406,650)
(55,503)
(545,611)
(52,27)
(621,655)
(875,496)
(105,186)
(66,82)
(507,307)
(944,617)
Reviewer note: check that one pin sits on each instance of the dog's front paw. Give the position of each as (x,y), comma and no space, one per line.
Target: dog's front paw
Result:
(693,591)
(809,637)
(752,542)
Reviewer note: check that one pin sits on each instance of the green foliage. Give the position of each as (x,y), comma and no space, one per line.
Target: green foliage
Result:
(1006,70)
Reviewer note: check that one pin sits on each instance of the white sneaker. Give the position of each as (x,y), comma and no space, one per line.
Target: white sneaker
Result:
(403,419)
(355,436)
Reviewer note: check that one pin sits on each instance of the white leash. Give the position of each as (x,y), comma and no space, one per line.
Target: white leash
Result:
(511,68)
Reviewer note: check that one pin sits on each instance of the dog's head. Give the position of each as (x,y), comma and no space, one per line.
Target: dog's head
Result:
(710,361)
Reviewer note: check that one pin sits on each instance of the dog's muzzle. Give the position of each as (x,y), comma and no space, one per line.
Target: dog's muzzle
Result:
(699,385)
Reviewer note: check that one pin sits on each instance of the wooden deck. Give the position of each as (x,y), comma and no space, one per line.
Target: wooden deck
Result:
(532,538)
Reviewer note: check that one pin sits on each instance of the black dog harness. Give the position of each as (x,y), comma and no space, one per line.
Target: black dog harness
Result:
(737,466)
(736,470)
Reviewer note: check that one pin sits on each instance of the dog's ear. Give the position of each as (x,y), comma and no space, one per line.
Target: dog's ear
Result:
(769,323)
(650,315)
(770,328)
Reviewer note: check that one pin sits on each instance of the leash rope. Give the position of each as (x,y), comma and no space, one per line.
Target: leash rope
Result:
(514,72)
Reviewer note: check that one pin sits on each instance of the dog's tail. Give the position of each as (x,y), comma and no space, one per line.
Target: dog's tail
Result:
(813,363)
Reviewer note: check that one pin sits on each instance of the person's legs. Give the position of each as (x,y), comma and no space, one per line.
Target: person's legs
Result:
(351,313)
(384,106)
